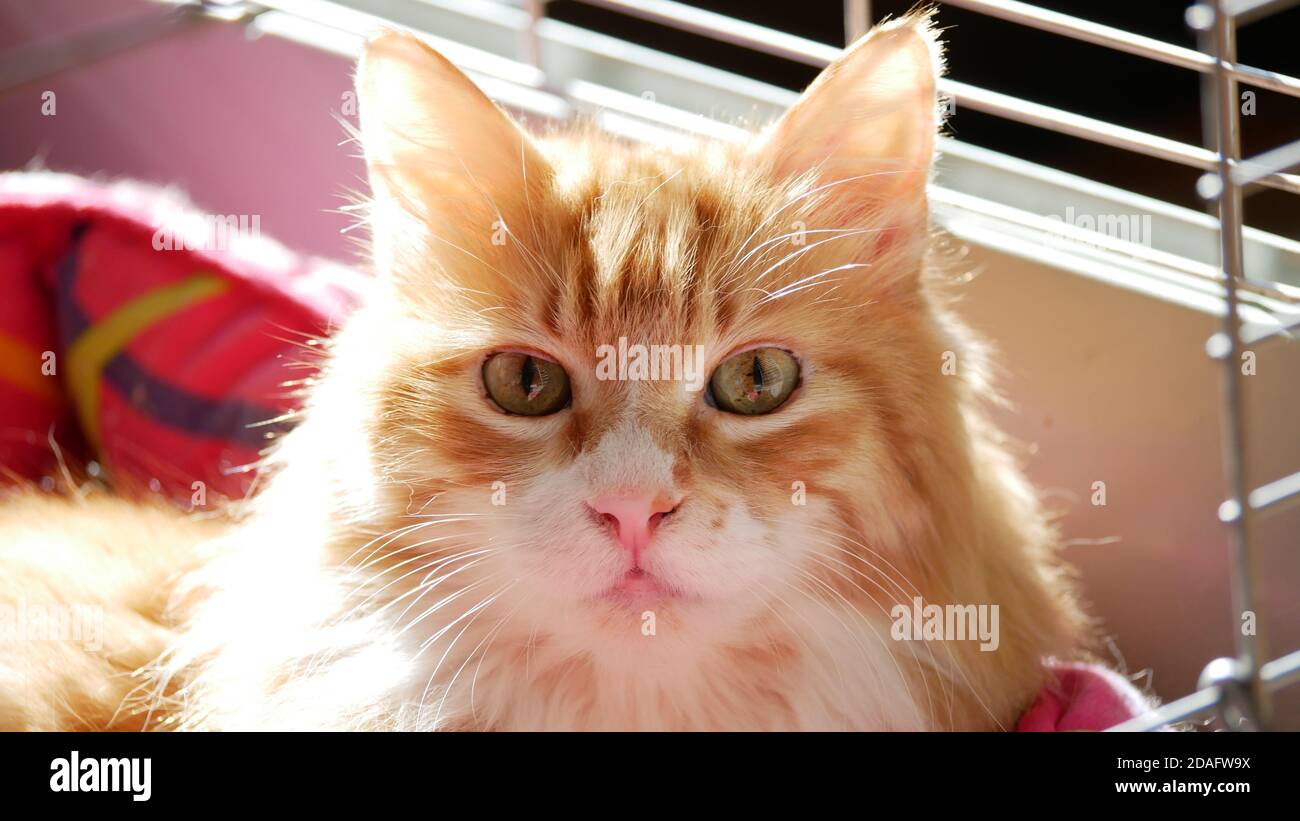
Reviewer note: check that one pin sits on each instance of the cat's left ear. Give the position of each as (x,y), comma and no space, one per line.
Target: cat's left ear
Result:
(867,124)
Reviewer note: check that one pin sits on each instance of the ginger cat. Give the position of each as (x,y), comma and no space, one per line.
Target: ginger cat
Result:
(496,514)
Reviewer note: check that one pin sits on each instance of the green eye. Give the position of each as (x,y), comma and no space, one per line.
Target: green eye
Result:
(755,381)
(526,385)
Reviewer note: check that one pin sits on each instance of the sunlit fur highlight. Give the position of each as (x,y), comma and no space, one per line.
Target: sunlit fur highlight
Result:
(375,585)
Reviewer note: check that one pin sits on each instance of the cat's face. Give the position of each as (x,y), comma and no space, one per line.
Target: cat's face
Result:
(651,389)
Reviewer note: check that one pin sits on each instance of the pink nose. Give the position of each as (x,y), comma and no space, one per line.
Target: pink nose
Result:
(634,517)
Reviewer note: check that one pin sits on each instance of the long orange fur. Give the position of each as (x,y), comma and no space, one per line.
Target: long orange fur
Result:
(375,585)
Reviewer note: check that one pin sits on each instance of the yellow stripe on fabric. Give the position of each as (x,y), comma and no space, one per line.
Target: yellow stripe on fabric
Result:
(106,338)
(20,366)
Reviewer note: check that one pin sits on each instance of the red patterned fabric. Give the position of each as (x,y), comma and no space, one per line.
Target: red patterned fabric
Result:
(163,363)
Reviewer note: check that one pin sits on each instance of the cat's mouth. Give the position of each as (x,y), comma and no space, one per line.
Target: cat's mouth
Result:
(638,587)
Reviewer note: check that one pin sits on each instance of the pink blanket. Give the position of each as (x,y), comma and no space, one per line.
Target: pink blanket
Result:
(1083,697)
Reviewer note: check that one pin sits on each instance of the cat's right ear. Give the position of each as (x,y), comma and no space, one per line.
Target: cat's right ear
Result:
(443,160)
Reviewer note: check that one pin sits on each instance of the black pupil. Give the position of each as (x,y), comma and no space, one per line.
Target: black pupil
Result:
(756,369)
(526,376)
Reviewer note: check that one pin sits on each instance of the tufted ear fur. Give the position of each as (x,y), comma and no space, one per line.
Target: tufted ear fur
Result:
(444,161)
(867,124)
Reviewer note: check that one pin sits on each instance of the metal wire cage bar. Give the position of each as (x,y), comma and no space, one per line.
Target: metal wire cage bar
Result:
(1237,690)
